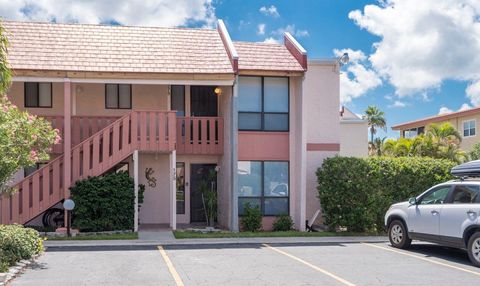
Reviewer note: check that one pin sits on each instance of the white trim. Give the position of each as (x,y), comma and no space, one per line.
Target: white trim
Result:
(126,81)
(230,46)
(173,189)
(295,43)
(463,128)
(352,121)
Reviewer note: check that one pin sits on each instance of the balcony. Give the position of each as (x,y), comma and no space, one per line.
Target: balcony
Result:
(195,135)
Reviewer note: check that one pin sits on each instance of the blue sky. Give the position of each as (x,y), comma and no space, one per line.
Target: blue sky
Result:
(410,58)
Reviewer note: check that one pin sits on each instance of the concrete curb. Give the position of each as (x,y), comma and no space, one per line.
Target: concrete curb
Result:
(212,241)
(16,270)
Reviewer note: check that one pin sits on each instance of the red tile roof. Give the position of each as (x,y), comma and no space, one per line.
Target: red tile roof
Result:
(436,118)
(266,57)
(101,48)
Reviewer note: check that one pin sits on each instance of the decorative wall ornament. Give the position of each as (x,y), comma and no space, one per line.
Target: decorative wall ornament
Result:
(152,182)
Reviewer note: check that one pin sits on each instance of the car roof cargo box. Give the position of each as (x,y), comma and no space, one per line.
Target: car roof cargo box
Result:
(469,169)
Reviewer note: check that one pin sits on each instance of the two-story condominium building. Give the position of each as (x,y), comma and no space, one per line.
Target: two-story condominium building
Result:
(464,121)
(169,105)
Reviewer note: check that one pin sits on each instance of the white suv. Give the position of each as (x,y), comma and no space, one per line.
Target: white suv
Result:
(447,214)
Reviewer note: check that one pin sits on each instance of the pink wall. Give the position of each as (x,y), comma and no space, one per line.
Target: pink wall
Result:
(263,145)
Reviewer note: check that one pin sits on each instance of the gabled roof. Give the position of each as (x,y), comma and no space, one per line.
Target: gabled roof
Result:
(436,118)
(266,57)
(102,48)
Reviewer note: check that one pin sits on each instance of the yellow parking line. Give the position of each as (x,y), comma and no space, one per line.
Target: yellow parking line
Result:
(422,258)
(170,266)
(339,279)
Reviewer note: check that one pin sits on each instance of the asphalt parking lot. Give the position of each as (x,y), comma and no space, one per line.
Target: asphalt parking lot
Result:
(253,264)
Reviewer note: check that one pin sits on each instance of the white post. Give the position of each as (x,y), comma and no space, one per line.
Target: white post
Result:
(135,188)
(173,190)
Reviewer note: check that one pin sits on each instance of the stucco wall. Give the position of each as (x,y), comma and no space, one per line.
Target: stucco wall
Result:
(354,139)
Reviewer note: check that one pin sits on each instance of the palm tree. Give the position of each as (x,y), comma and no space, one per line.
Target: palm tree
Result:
(376,147)
(376,119)
(445,133)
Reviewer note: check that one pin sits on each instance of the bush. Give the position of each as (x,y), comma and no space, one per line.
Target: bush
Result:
(283,223)
(355,193)
(17,243)
(252,219)
(475,153)
(104,203)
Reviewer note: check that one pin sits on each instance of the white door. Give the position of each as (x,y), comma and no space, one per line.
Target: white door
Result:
(460,211)
(424,218)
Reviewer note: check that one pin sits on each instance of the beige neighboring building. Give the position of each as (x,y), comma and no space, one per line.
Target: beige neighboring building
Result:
(353,134)
(464,121)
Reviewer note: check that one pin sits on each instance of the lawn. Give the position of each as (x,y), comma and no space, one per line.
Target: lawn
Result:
(181,234)
(116,236)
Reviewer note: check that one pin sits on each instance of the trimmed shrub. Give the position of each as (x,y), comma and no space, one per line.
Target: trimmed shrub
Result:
(252,219)
(283,223)
(355,192)
(17,243)
(104,203)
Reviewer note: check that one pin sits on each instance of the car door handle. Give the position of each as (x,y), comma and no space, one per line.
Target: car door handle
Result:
(434,212)
(470,212)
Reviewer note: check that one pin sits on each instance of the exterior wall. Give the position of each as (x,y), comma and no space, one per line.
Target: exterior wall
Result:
(353,138)
(16,94)
(263,146)
(321,92)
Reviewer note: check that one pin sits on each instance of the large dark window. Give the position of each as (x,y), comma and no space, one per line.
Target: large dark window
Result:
(38,94)
(177,93)
(264,184)
(263,103)
(118,96)
(180,188)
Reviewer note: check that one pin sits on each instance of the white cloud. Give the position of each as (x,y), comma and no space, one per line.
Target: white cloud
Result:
(398,104)
(271,40)
(465,106)
(444,110)
(146,13)
(423,43)
(292,30)
(357,79)
(270,11)
(261,29)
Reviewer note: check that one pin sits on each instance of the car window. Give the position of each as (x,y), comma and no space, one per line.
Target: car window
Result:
(436,196)
(465,194)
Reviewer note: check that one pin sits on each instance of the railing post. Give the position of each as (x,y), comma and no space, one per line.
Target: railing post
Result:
(67,141)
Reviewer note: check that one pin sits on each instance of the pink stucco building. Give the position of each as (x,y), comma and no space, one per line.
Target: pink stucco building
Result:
(169,105)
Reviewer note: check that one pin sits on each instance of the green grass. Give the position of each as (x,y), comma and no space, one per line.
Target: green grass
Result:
(116,236)
(180,234)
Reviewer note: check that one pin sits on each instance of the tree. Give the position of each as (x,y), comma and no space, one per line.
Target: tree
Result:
(475,153)
(376,119)
(24,138)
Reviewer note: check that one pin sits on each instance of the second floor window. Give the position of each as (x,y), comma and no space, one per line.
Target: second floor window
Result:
(118,96)
(263,103)
(38,94)
(469,128)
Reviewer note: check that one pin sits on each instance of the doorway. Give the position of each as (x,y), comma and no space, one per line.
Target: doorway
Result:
(198,174)
(203,101)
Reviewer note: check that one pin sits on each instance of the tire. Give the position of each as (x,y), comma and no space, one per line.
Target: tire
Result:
(398,236)
(474,249)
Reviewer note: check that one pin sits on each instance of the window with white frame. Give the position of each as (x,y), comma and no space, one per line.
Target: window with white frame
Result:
(469,128)
(38,94)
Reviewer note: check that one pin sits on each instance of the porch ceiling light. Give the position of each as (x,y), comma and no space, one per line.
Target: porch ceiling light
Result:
(217,90)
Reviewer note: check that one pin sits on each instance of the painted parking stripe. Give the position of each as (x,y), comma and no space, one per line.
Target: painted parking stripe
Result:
(171,268)
(339,279)
(422,258)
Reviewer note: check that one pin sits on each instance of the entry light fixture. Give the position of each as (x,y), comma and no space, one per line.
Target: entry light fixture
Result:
(217,90)
(343,60)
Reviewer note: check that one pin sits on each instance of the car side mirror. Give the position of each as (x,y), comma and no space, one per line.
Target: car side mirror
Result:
(412,201)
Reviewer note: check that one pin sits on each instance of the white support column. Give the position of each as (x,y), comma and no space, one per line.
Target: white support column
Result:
(173,190)
(135,188)
(234,158)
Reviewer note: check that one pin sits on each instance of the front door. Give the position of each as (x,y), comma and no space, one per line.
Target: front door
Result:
(424,217)
(198,177)
(203,101)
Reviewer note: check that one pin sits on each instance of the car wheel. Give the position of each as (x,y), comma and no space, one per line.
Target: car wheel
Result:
(397,234)
(474,249)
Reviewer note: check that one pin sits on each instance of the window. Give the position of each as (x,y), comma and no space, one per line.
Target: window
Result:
(118,96)
(469,128)
(264,184)
(38,94)
(436,196)
(463,194)
(178,99)
(410,133)
(180,175)
(263,103)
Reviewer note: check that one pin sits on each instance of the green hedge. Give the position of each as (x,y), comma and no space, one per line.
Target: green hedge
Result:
(17,243)
(355,192)
(104,203)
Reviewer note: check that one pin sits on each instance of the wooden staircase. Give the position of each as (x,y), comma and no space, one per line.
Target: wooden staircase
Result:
(138,130)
